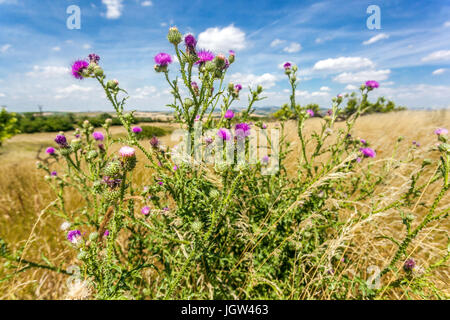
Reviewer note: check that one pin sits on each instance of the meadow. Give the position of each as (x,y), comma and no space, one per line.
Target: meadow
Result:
(357,207)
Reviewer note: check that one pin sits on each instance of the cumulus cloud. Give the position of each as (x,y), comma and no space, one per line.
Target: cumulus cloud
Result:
(343,64)
(5,48)
(48,71)
(362,76)
(86,46)
(73,88)
(113,8)
(439,71)
(267,80)
(351,87)
(2,95)
(447,24)
(441,55)
(146,3)
(144,92)
(293,47)
(325,89)
(222,39)
(376,38)
(277,42)
(56,49)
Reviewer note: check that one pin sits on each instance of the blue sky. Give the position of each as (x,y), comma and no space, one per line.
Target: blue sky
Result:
(329,40)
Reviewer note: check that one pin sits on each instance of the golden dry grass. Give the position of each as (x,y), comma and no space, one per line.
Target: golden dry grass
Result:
(24,195)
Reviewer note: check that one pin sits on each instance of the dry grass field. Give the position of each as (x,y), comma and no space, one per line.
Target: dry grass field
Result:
(24,197)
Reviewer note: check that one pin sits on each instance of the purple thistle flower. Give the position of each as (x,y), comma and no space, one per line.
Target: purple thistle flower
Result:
(409,265)
(54,173)
(145,210)
(112,183)
(61,141)
(368,152)
(224,134)
(441,131)
(160,183)
(78,67)
(358,159)
(175,168)
(137,129)
(208,140)
(265,159)
(190,43)
(98,136)
(310,112)
(287,65)
(127,152)
(329,112)
(238,87)
(50,150)
(154,142)
(264,126)
(166,209)
(74,235)
(77,135)
(163,59)
(229,114)
(94,58)
(363,141)
(106,233)
(242,130)
(372,84)
(231,52)
(204,56)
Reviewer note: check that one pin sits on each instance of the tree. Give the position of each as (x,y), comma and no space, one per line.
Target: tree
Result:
(8,125)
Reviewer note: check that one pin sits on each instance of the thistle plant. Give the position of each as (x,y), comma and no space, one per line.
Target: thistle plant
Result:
(197,230)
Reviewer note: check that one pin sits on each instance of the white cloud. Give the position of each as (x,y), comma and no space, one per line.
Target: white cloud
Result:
(163,24)
(276,42)
(8,1)
(325,89)
(440,55)
(293,47)
(113,8)
(144,92)
(447,24)
(439,71)
(351,87)
(221,40)
(48,71)
(146,3)
(323,39)
(2,95)
(86,46)
(343,64)
(362,76)
(267,80)
(376,38)
(73,88)
(5,48)
(56,49)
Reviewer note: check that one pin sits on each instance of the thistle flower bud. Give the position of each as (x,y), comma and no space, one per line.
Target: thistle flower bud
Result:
(220,61)
(93,236)
(112,169)
(111,195)
(230,87)
(75,144)
(196,226)
(112,84)
(174,36)
(188,102)
(210,66)
(259,89)
(98,71)
(231,57)
(92,155)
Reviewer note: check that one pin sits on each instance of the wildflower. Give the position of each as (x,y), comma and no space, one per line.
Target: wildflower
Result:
(363,141)
(78,68)
(194,86)
(137,129)
(174,36)
(163,59)
(409,264)
(242,130)
(112,183)
(265,159)
(145,210)
(74,236)
(93,58)
(98,136)
(310,112)
(175,168)
(50,150)
(106,233)
(101,147)
(61,141)
(166,209)
(368,152)
(229,114)
(127,152)
(287,65)
(160,183)
(208,140)
(358,159)
(224,134)
(190,43)
(441,131)
(65,225)
(372,84)
(238,87)
(204,56)
(231,57)
(264,126)
(154,142)
(54,173)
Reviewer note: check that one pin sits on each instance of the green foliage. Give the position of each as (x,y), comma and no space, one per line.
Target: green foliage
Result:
(8,125)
